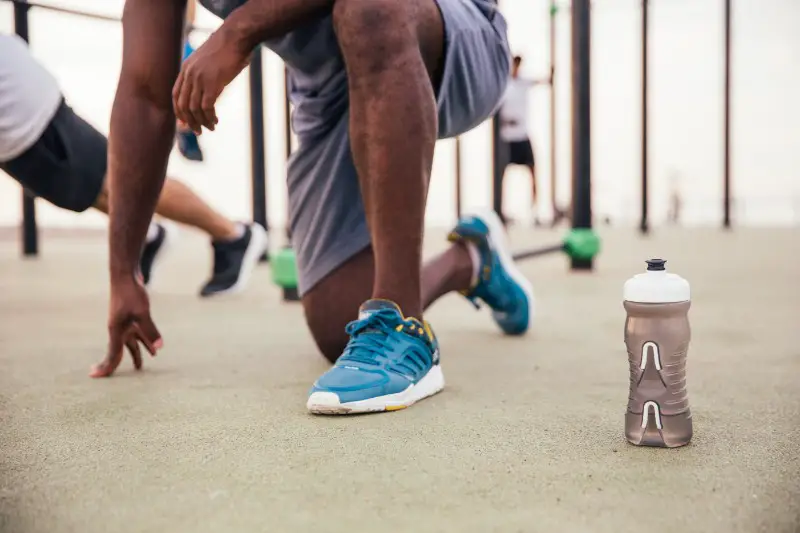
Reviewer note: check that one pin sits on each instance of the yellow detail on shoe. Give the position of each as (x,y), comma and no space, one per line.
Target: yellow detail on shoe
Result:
(428,330)
(399,328)
(395,407)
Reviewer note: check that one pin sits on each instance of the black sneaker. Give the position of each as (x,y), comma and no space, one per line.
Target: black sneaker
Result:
(151,251)
(234,261)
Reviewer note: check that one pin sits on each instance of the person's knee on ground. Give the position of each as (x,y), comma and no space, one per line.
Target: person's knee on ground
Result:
(334,302)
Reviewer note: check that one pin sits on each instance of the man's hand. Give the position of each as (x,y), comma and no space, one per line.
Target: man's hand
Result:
(129,323)
(204,75)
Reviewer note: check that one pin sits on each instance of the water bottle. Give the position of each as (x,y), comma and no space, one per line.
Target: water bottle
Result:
(657,336)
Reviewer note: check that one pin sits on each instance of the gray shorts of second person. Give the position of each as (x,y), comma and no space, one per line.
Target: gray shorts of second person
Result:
(326,212)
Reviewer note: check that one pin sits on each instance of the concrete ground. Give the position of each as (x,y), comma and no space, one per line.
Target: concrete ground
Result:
(527,437)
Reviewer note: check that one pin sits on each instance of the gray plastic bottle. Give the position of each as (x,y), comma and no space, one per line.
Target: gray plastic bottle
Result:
(657,336)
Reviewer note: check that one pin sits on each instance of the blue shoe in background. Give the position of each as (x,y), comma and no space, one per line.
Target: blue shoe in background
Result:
(188,50)
(189,146)
(390,363)
(500,283)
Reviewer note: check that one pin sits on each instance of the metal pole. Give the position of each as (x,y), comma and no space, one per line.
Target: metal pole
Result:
(458,177)
(644,224)
(726,221)
(498,167)
(257,142)
(30,234)
(553,169)
(536,253)
(581,126)
(287,128)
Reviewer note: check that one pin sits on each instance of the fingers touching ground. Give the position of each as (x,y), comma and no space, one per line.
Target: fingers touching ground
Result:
(128,337)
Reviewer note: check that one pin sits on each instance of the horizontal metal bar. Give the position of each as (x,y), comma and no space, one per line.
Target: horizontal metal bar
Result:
(527,254)
(86,14)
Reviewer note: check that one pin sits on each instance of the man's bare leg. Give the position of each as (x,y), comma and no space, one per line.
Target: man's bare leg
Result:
(393,55)
(392,50)
(534,196)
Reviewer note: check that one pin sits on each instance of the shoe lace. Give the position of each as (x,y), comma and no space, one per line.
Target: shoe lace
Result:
(369,337)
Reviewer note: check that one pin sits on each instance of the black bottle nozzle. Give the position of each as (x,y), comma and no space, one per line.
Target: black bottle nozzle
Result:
(656,265)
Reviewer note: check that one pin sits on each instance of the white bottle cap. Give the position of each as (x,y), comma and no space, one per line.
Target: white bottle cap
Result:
(656,285)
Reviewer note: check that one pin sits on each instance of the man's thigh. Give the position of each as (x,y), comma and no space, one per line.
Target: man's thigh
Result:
(66,166)
(325,207)
(477,64)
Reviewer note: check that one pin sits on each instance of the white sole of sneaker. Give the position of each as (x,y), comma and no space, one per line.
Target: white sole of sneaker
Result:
(327,403)
(497,234)
(256,248)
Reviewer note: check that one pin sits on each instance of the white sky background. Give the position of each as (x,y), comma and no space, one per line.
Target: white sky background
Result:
(686,43)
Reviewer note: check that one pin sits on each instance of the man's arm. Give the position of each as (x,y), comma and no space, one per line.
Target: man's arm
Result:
(142,125)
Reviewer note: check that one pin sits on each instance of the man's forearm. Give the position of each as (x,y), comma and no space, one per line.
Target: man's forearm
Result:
(260,20)
(140,141)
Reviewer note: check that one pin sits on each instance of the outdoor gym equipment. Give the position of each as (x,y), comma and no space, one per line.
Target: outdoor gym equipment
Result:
(284,273)
(581,244)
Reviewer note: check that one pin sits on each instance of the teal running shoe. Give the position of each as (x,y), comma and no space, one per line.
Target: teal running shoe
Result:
(390,363)
(500,283)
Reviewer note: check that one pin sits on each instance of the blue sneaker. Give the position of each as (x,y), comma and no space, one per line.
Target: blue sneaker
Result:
(500,283)
(390,363)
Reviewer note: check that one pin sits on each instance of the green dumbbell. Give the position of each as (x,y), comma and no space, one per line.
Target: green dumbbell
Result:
(582,243)
(284,273)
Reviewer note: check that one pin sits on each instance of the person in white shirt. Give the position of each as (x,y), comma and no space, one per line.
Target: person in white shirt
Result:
(514,123)
(56,155)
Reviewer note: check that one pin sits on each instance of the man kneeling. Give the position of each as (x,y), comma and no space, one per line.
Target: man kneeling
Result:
(374,83)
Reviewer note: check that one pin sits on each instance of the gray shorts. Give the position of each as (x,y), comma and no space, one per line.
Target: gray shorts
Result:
(325,208)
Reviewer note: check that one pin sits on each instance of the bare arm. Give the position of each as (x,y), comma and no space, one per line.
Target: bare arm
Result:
(142,125)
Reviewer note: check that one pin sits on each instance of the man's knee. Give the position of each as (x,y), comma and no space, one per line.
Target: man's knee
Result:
(374,28)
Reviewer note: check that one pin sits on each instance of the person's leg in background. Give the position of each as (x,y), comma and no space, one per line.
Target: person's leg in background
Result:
(387,359)
(530,164)
(188,143)
(67,167)
(237,246)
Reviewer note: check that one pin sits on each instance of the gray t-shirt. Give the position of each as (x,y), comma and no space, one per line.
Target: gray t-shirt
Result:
(29,97)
